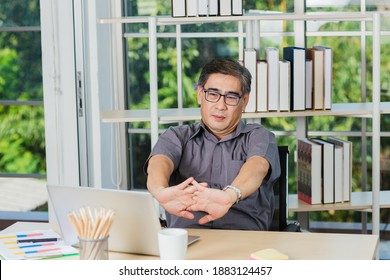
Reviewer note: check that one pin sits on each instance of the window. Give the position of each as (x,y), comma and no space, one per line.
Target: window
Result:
(22,131)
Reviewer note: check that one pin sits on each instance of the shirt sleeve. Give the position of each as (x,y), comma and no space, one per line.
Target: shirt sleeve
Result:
(168,144)
(263,143)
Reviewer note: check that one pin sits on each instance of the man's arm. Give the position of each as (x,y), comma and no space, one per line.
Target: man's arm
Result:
(160,168)
(251,175)
(217,203)
(174,199)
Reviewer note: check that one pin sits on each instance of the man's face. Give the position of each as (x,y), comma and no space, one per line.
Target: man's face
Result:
(221,119)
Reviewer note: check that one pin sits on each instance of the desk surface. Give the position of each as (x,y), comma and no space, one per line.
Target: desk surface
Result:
(230,244)
(238,245)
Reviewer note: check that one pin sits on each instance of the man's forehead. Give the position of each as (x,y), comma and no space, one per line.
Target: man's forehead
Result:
(223,82)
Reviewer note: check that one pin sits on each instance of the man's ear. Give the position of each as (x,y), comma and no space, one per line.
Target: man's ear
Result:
(199,93)
(245,101)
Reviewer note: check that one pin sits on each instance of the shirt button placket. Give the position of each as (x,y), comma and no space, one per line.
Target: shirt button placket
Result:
(217,164)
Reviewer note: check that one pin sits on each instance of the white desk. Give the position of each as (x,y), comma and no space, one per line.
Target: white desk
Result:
(238,245)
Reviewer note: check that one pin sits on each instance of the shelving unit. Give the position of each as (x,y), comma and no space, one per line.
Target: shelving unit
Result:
(360,201)
(363,110)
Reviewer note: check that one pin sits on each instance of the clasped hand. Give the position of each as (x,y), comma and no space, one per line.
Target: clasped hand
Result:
(190,195)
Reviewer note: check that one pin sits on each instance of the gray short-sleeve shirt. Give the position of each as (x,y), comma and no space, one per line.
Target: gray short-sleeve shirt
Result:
(197,153)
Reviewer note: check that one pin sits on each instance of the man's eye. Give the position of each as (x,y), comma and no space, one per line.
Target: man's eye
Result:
(232,97)
(213,94)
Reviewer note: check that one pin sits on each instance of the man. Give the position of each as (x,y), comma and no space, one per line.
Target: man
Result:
(218,173)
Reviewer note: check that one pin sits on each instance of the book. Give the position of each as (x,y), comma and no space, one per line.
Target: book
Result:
(262,86)
(309,171)
(317,56)
(203,8)
(213,7)
(178,8)
(250,62)
(192,8)
(268,254)
(327,170)
(225,7)
(284,85)
(338,174)
(347,166)
(272,58)
(297,58)
(309,83)
(328,75)
(34,244)
(237,9)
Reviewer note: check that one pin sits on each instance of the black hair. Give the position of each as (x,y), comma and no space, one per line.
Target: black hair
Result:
(227,66)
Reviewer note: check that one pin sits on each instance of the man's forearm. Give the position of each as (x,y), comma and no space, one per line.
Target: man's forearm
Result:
(251,175)
(160,168)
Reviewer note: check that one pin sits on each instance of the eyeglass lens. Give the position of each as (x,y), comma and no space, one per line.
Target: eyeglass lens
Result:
(229,99)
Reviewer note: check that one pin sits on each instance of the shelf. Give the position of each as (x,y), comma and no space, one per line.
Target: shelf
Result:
(120,116)
(190,114)
(144,115)
(359,201)
(167,20)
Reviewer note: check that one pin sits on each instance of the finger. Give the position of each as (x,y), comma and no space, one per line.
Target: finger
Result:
(190,189)
(205,219)
(185,183)
(192,208)
(195,183)
(187,215)
(196,206)
(200,187)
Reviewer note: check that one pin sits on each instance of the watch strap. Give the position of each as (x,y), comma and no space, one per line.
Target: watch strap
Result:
(236,190)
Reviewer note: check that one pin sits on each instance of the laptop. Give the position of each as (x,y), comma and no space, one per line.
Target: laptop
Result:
(136,222)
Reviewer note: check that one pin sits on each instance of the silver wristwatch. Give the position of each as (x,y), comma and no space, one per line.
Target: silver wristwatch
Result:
(237,190)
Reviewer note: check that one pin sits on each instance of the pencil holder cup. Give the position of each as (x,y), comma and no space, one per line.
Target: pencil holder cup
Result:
(93,249)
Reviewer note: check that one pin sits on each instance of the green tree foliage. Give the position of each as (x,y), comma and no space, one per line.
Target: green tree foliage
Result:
(22,143)
(21,140)
(9,69)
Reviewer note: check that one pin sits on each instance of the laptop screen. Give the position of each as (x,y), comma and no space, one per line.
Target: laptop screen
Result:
(136,223)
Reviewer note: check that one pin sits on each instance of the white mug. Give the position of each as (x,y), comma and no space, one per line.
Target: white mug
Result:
(172,243)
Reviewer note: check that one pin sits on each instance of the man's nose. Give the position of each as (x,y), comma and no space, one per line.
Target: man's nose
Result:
(221,103)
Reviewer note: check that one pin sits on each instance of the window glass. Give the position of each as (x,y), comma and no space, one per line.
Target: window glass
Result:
(22,132)
(332,6)
(21,66)
(19,13)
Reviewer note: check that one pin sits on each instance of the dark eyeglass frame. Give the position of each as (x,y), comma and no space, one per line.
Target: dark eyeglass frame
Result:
(227,94)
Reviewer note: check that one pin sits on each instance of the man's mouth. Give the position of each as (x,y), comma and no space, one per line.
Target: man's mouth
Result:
(218,117)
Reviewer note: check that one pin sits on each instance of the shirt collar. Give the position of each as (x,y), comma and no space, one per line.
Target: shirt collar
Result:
(201,127)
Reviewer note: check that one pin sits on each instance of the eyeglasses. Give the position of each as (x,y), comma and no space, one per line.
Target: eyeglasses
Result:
(230,99)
